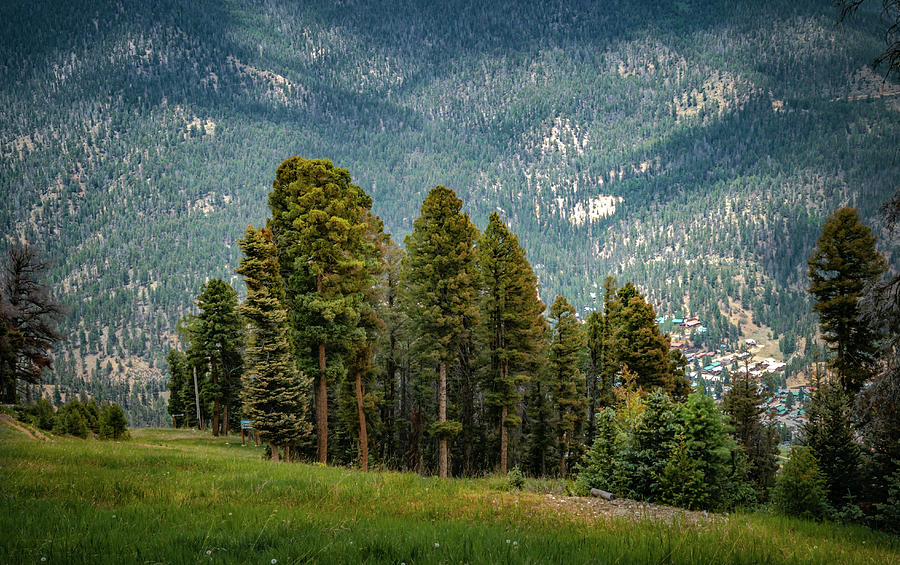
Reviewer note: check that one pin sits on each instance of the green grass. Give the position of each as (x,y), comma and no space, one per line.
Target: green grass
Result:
(182,497)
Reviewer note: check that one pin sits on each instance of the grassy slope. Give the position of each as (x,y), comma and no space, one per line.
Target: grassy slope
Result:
(182,497)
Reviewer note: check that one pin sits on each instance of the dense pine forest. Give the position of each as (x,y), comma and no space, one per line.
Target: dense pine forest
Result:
(693,148)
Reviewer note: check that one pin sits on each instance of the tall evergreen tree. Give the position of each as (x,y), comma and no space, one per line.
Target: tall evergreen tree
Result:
(179,402)
(828,432)
(538,426)
(442,286)
(600,348)
(567,340)
(274,393)
(640,346)
(220,339)
(744,405)
(843,263)
(320,221)
(512,320)
(393,372)
(358,400)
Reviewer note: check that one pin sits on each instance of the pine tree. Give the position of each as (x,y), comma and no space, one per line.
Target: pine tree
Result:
(640,346)
(274,392)
(393,384)
(320,222)
(442,285)
(844,262)
(178,385)
(567,340)
(800,489)
(600,348)
(512,321)
(828,432)
(358,402)
(744,405)
(601,465)
(709,448)
(652,442)
(220,339)
(538,426)
(112,423)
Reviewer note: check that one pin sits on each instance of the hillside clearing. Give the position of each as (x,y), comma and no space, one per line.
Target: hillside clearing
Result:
(211,500)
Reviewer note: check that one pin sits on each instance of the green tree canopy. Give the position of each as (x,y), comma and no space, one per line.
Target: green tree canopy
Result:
(441,279)
(512,321)
(320,220)
(219,343)
(275,394)
(843,263)
(567,342)
(641,347)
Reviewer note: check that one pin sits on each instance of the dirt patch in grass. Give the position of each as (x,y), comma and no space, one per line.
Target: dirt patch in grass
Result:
(592,509)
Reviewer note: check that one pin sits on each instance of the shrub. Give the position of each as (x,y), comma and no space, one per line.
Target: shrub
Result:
(38,414)
(800,488)
(600,467)
(515,480)
(113,424)
(682,481)
(889,510)
(70,421)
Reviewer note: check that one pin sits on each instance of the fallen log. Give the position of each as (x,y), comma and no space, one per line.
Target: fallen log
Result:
(603,494)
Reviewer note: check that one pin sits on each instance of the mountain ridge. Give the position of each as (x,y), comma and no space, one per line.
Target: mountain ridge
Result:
(139,142)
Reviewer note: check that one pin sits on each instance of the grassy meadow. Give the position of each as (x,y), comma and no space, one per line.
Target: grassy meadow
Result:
(172,496)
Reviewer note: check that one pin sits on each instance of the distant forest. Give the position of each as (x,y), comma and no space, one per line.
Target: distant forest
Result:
(694,148)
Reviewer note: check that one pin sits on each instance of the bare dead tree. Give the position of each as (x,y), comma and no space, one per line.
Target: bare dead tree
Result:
(30,313)
(890,10)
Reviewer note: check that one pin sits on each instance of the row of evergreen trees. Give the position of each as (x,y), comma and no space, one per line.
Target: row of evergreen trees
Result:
(78,417)
(438,358)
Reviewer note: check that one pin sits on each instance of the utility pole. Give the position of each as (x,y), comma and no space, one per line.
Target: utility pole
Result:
(197,398)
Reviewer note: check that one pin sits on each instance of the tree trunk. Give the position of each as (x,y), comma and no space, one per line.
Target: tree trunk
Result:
(216,407)
(322,408)
(322,395)
(274,451)
(442,417)
(390,447)
(503,440)
(363,435)
(215,422)
(225,420)
(287,453)
(562,458)
(592,399)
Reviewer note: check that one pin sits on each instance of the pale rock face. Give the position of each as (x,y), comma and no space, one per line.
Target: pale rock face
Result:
(600,206)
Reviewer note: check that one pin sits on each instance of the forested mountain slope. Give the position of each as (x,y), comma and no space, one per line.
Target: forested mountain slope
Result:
(693,147)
